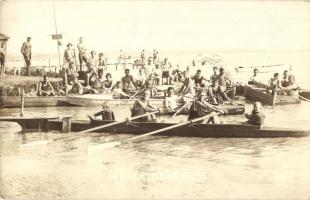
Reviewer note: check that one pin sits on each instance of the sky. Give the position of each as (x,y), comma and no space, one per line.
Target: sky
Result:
(165,25)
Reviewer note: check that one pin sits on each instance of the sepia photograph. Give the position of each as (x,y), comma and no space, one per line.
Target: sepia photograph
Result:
(154,99)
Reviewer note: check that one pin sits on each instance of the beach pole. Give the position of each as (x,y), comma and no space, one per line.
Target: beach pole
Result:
(22,99)
(66,84)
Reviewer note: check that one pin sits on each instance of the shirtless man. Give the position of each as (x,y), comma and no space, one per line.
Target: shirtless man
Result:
(291,87)
(26,51)
(82,53)
(274,84)
(285,81)
(45,88)
(199,79)
(127,80)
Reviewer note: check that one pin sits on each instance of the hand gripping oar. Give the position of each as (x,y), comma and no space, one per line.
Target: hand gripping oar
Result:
(114,144)
(178,111)
(45,142)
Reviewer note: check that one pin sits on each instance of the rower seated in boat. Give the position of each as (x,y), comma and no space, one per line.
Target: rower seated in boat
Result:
(77,87)
(256,117)
(170,102)
(106,113)
(219,85)
(285,81)
(290,88)
(45,88)
(143,106)
(274,84)
(200,107)
(255,79)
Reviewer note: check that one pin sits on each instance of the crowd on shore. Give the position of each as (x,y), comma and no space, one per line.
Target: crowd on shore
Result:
(85,72)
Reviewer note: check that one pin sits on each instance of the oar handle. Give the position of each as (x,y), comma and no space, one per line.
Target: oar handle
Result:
(117,122)
(178,111)
(171,127)
(303,98)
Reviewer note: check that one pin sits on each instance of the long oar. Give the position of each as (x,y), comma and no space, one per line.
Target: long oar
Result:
(135,94)
(303,98)
(178,111)
(45,142)
(114,144)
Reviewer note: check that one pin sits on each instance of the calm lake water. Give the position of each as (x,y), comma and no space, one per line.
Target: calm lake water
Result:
(156,167)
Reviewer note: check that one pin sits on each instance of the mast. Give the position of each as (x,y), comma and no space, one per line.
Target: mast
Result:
(54,9)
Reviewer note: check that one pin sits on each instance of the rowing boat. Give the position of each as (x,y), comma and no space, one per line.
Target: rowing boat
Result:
(192,130)
(305,94)
(260,94)
(230,109)
(87,100)
(15,101)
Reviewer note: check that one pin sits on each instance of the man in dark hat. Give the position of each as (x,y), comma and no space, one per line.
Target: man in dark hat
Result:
(26,51)
(69,55)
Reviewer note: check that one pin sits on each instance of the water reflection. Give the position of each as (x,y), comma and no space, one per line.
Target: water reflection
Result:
(155,167)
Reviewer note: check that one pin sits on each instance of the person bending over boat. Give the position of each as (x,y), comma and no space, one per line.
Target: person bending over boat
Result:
(106,113)
(143,106)
(45,88)
(188,86)
(200,107)
(256,117)
(291,87)
(117,92)
(170,102)
(127,80)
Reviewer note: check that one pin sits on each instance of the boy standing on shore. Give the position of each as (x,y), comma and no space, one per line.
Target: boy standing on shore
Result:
(26,51)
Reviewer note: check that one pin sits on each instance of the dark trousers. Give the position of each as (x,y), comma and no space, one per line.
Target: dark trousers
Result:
(82,57)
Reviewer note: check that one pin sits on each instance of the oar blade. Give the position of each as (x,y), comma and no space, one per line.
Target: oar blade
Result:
(98,147)
(35,144)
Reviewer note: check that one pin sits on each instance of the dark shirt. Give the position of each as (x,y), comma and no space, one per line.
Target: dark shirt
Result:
(256,118)
(198,109)
(107,115)
(198,80)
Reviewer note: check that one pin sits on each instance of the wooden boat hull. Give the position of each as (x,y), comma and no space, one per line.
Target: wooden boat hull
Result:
(305,94)
(97,100)
(192,130)
(15,101)
(228,108)
(256,94)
